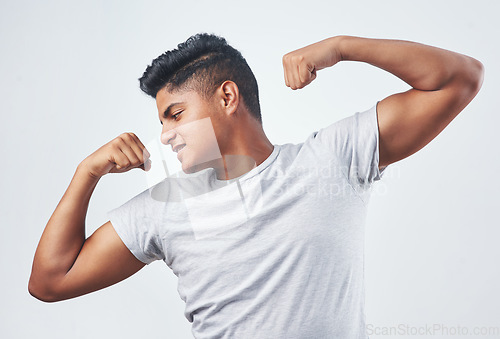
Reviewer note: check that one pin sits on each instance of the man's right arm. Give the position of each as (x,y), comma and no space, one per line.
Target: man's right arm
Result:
(67,265)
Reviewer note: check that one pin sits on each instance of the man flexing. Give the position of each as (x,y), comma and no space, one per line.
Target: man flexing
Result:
(266,240)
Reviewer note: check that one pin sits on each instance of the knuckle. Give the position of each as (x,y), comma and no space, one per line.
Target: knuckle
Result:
(116,142)
(298,59)
(126,136)
(288,58)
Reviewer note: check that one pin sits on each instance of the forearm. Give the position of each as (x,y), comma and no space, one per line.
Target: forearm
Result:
(64,234)
(423,67)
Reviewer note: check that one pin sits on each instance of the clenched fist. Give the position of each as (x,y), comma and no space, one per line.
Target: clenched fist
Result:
(300,66)
(119,155)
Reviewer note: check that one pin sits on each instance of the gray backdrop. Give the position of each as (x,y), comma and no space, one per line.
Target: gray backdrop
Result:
(68,78)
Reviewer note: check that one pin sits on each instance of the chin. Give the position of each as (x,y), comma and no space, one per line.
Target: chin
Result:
(190,168)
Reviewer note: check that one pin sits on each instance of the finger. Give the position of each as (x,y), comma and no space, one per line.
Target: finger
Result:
(119,158)
(133,159)
(305,75)
(285,71)
(296,77)
(125,147)
(141,146)
(286,79)
(291,73)
(313,74)
(139,149)
(146,166)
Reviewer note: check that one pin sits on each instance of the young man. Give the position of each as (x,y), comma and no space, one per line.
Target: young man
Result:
(266,240)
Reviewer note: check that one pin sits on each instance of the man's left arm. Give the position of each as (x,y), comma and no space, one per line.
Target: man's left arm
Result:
(443,83)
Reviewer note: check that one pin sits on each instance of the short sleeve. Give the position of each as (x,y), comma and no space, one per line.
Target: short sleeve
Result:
(136,223)
(354,142)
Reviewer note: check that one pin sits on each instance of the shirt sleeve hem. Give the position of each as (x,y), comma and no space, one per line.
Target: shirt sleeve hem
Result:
(379,171)
(115,222)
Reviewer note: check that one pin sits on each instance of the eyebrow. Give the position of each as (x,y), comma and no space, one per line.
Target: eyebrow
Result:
(169,109)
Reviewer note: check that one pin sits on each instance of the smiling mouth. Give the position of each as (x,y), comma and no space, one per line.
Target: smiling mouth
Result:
(179,152)
(177,149)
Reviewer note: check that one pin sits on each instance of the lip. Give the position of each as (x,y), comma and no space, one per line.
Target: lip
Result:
(179,150)
(177,147)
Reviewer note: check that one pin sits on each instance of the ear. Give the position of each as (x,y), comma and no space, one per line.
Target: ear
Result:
(229,96)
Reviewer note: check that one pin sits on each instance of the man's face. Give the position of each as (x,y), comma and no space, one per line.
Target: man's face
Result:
(190,124)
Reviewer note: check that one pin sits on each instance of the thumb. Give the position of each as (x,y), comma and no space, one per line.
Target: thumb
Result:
(146,166)
(307,74)
(313,74)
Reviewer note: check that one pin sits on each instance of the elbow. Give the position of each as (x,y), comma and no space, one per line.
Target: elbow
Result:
(473,76)
(467,82)
(478,78)
(42,294)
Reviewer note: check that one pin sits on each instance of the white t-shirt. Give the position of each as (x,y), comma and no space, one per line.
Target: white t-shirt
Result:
(275,253)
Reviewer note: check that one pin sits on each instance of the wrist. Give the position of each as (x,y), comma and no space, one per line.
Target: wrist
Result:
(84,170)
(328,52)
(342,46)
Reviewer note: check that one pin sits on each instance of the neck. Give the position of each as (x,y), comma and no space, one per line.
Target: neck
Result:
(249,148)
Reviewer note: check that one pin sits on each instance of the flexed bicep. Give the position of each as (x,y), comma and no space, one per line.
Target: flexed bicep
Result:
(410,120)
(104,260)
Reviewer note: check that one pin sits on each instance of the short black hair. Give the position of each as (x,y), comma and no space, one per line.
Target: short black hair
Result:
(202,63)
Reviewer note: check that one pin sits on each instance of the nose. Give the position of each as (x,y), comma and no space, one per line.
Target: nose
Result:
(168,136)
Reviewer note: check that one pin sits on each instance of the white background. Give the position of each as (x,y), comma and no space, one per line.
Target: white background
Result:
(68,78)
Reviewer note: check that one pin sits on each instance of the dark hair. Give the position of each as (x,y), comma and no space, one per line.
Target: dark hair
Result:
(202,63)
